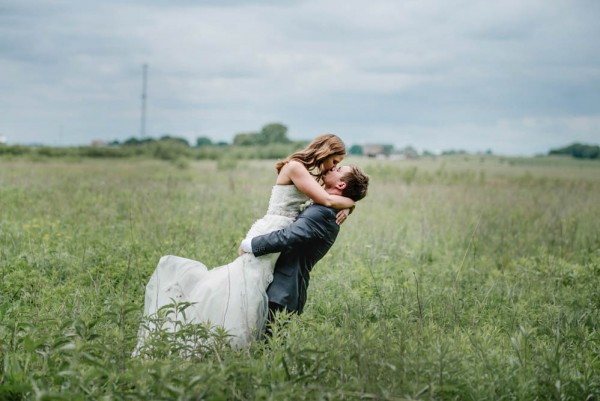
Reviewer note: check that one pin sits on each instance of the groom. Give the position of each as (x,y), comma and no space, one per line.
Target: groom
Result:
(303,243)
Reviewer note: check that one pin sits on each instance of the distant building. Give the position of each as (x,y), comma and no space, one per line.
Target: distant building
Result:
(373,150)
(378,151)
(98,143)
(2,140)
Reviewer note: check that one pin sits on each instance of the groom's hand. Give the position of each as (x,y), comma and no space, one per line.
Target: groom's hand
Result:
(341,216)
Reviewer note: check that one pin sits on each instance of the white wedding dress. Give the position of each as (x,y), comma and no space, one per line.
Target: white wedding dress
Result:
(232,296)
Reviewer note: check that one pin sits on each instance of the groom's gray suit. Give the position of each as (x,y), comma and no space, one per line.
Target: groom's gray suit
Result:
(302,244)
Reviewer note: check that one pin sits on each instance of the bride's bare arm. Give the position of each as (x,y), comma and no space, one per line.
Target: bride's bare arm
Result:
(311,188)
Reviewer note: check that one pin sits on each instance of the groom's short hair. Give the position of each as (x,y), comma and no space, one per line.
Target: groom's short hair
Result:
(357,184)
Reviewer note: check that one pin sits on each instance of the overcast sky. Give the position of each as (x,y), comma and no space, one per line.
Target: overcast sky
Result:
(514,76)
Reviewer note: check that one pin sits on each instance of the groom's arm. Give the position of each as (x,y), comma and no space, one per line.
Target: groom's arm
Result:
(316,222)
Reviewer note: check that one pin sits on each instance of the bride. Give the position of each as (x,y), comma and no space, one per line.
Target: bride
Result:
(234,296)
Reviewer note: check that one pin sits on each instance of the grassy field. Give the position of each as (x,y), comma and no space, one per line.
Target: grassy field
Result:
(457,278)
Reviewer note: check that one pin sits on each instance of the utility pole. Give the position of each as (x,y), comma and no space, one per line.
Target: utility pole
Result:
(143,122)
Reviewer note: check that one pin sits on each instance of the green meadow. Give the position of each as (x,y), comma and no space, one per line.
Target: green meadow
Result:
(457,278)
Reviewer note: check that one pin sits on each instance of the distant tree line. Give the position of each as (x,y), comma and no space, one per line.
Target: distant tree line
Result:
(579,151)
(271,142)
(275,133)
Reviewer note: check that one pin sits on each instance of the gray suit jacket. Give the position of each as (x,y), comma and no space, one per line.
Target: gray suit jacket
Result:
(302,244)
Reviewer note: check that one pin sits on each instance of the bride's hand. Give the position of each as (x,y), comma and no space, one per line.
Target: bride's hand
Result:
(342,215)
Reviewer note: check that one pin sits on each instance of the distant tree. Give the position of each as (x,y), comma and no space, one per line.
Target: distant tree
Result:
(356,150)
(174,139)
(203,141)
(579,151)
(388,149)
(269,134)
(133,141)
(273,133)
(454,152)
(409,152)
(246,139)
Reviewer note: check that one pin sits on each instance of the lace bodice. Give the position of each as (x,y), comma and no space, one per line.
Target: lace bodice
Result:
(286,200)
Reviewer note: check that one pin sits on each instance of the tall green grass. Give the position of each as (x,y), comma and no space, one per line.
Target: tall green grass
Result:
(457,278)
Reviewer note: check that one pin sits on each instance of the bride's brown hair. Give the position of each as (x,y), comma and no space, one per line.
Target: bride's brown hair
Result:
(315,153)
